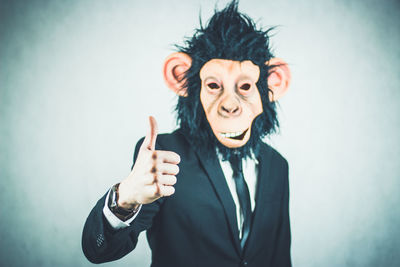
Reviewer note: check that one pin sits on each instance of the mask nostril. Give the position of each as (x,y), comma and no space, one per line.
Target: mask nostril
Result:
(234,110)
(225,109)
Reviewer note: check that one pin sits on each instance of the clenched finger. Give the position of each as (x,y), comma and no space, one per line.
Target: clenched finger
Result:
(167,168)
(166,190)
(166,179)
(167,156)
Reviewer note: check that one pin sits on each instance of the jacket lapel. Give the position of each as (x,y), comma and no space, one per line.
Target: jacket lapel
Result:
(214,172)
(263,193)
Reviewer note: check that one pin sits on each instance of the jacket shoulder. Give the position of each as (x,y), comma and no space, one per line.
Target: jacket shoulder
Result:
(174,141)
(275,156)
(176,138)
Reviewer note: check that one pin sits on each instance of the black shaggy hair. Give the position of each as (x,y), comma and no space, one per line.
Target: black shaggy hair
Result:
(227,35)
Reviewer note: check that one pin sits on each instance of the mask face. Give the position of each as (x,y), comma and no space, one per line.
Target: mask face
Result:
(230,99)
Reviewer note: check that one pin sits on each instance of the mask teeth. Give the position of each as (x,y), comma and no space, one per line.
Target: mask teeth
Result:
(231,134)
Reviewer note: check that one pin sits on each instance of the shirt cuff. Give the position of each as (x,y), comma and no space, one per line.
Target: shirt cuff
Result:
(113,220)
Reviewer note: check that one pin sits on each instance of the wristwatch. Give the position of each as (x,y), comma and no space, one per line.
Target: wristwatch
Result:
(121,213)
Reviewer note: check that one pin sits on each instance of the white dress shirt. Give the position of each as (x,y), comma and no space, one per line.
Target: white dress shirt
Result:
(250,173)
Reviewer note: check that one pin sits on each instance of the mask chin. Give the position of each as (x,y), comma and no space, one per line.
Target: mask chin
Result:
(249,149)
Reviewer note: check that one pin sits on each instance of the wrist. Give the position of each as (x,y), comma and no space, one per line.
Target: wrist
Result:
(123,212)
(122,201)
(127,206)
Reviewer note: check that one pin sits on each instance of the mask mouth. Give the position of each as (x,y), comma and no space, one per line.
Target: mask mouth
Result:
(235,135)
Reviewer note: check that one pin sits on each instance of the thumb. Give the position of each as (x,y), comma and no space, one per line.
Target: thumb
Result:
(150,139)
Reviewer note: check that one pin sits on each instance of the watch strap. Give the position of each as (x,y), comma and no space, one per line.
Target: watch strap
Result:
(121,213)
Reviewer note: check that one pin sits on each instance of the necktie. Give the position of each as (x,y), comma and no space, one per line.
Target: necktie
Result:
(244,197)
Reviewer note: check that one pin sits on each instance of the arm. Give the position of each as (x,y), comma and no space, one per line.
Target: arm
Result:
(101,242)
(152,177)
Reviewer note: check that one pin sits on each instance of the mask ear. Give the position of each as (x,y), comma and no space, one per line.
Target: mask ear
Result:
(175,66)
(278,78)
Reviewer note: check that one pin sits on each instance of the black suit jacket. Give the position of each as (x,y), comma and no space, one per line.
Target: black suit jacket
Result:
(197,225)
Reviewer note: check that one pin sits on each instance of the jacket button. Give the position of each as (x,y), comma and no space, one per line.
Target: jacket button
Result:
(100,240)
(243,263)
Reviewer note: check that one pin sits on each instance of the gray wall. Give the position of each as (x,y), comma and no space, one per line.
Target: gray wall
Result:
(79,78)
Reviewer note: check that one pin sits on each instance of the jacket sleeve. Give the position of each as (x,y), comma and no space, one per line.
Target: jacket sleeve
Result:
(282,256)
(101,243)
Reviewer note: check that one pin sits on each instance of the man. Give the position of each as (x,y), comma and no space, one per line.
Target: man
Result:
(211,193)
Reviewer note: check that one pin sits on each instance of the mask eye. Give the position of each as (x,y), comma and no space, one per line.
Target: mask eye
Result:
(245,86)
(213,86)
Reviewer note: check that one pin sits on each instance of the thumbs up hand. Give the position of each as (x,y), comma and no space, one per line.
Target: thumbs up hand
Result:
(152,176)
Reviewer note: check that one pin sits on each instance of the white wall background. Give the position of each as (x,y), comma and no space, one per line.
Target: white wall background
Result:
(79,78)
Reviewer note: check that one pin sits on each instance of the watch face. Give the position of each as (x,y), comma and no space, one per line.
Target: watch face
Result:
(112,202)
